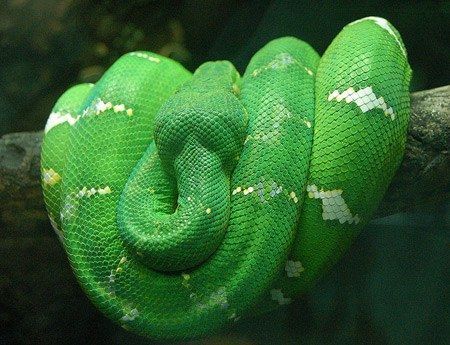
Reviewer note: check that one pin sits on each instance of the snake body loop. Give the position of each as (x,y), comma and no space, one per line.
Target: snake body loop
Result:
(189,201)
(199,133)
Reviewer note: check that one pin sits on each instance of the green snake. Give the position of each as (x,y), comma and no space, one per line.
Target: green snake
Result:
(187,201)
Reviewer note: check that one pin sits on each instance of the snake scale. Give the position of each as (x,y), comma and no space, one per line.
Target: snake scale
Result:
(187,201)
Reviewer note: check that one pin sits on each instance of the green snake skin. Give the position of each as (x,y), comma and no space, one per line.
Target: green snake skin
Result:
(187,201)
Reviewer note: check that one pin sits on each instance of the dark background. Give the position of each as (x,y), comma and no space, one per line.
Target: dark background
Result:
(391,288)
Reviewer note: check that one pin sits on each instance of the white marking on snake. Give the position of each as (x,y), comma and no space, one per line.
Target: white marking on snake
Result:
(208,210)
(278,296)
(275,189)
(145,56)
(122,261)
(281,61)
(383,23)
(119,107)
(260,190)
(249,190)
(89,192)
(218,297)
(365,99)
(131,315)
(333,205)
(105,190)
(50,177)
(57,118)
(309,71)
(186,278)
(293,196)
(113,275)
(98,107)
(293,268)
(237,190)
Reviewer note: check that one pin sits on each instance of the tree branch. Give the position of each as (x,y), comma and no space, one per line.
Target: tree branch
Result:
(423,177)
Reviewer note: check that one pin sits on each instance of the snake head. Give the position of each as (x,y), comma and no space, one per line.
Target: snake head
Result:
(205,112)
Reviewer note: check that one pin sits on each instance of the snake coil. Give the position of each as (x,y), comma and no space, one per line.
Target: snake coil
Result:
(188,201)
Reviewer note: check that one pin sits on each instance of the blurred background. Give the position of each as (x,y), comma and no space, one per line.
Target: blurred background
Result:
(391,288)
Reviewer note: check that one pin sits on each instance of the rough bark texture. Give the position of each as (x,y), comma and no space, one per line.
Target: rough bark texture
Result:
(423,177)
(21,200)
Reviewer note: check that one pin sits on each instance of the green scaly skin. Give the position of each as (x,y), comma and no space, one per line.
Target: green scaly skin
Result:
(186,202)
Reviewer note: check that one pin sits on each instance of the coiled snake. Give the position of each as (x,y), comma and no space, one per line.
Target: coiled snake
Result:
(188,201)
